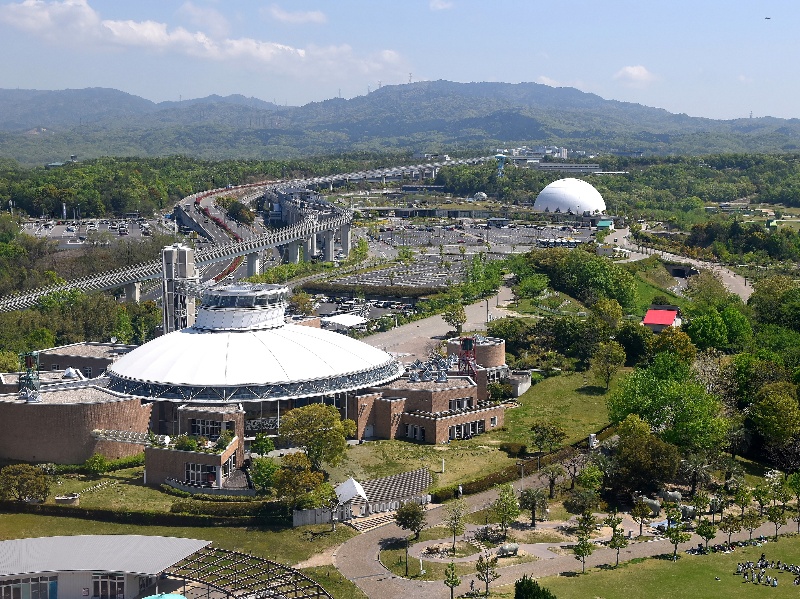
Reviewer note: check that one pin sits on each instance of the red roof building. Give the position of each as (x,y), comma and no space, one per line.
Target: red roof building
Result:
(658,320)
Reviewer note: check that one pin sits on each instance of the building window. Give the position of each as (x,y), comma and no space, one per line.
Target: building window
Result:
(201,474)
(87,372)
(493,421)
(210,429)
(108,585)
(37,587)
(54,367)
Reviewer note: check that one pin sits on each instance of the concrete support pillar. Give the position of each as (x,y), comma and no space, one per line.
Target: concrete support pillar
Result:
(253,264)
(307,251)
(133,292)
(219,477)
(293,252)
(327,236)
(344,233)
(313,241)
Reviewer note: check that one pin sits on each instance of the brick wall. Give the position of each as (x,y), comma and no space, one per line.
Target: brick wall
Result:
(437,430)
(161,464)
(62,433)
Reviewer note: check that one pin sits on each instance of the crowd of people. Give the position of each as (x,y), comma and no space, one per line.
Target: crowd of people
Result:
(765,571)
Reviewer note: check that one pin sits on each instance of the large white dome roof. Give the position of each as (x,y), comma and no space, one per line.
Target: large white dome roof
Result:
(239,350)
(570,195)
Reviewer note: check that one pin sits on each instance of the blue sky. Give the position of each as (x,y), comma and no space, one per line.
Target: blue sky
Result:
(710,58)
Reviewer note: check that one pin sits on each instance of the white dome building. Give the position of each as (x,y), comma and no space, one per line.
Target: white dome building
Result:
(240,350)
(570,195)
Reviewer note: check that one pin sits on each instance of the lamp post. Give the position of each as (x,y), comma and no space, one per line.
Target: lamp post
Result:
(487,311)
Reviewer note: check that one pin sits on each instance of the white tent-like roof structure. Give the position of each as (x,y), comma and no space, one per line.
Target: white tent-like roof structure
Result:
(240,352)
(349,490)
(570,196)
(134,554)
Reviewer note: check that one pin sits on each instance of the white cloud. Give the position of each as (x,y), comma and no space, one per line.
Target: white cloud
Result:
(298,17)
(70,22)
(548,81)
(208,19)
(745,79)
(440,4)
(634,76)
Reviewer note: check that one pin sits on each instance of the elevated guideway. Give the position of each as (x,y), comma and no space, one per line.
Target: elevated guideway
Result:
(310,220)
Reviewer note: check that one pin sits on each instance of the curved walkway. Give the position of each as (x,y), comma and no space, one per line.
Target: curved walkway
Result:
(357,559)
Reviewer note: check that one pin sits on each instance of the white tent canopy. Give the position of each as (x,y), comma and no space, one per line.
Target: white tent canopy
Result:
(349,490)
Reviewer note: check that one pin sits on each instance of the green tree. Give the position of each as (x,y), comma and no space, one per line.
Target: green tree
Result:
(454,514)
(295,478)
(319,430)
(606,362)
(262,444)
(9,361)
(636,340)
(742,497)
(552,472)
(617,542)
(546,434)
(644,462)
(455,316)
(640,514)
(777,515)
(776,413)
(486,570)
(451,579)
(793,486)
(410,516)
(262,473)
(700,501)
(676,534)
(301,303)
(533,499)
(23,482)
(673,340)
(528,588)
(583,549)
(708,330)
(505,507)
(730,525)
(750,521)
(706,530)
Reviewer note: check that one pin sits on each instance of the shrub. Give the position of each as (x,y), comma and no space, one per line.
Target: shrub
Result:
(96,465)
(514,450)
(185,443)
(224,440)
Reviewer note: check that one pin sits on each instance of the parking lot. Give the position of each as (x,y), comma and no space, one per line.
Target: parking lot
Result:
(73,234)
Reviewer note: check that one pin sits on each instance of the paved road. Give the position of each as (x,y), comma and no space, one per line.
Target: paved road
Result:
(735,283)
(415,340)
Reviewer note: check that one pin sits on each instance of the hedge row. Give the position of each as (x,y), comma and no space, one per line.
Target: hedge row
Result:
(132,461)
(514,450)
(207,497)
(117,516)
(260,511)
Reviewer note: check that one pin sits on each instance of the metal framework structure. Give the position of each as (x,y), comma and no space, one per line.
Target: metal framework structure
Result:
(217,394)
(315,220)
(242,576)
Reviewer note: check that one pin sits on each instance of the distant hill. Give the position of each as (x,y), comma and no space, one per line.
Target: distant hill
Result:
(42,126)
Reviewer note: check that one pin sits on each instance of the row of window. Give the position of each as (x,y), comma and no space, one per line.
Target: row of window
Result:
(469,429)
(460,403)
(206,475)
(37,587)
(107,585)
(210,429)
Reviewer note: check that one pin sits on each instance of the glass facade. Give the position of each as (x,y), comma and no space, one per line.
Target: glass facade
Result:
(36,587)
(108,585)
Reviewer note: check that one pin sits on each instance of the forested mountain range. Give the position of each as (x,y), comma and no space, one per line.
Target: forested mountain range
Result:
(43,126)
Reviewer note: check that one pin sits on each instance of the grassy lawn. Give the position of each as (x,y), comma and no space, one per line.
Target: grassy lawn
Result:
(333,582)
(646,290)
(464,460)
(393,558)
(126,489)
(691,577)
(287,546)
(579,408)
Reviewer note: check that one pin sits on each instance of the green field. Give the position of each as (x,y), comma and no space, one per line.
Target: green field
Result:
(122,489)
(692,577)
